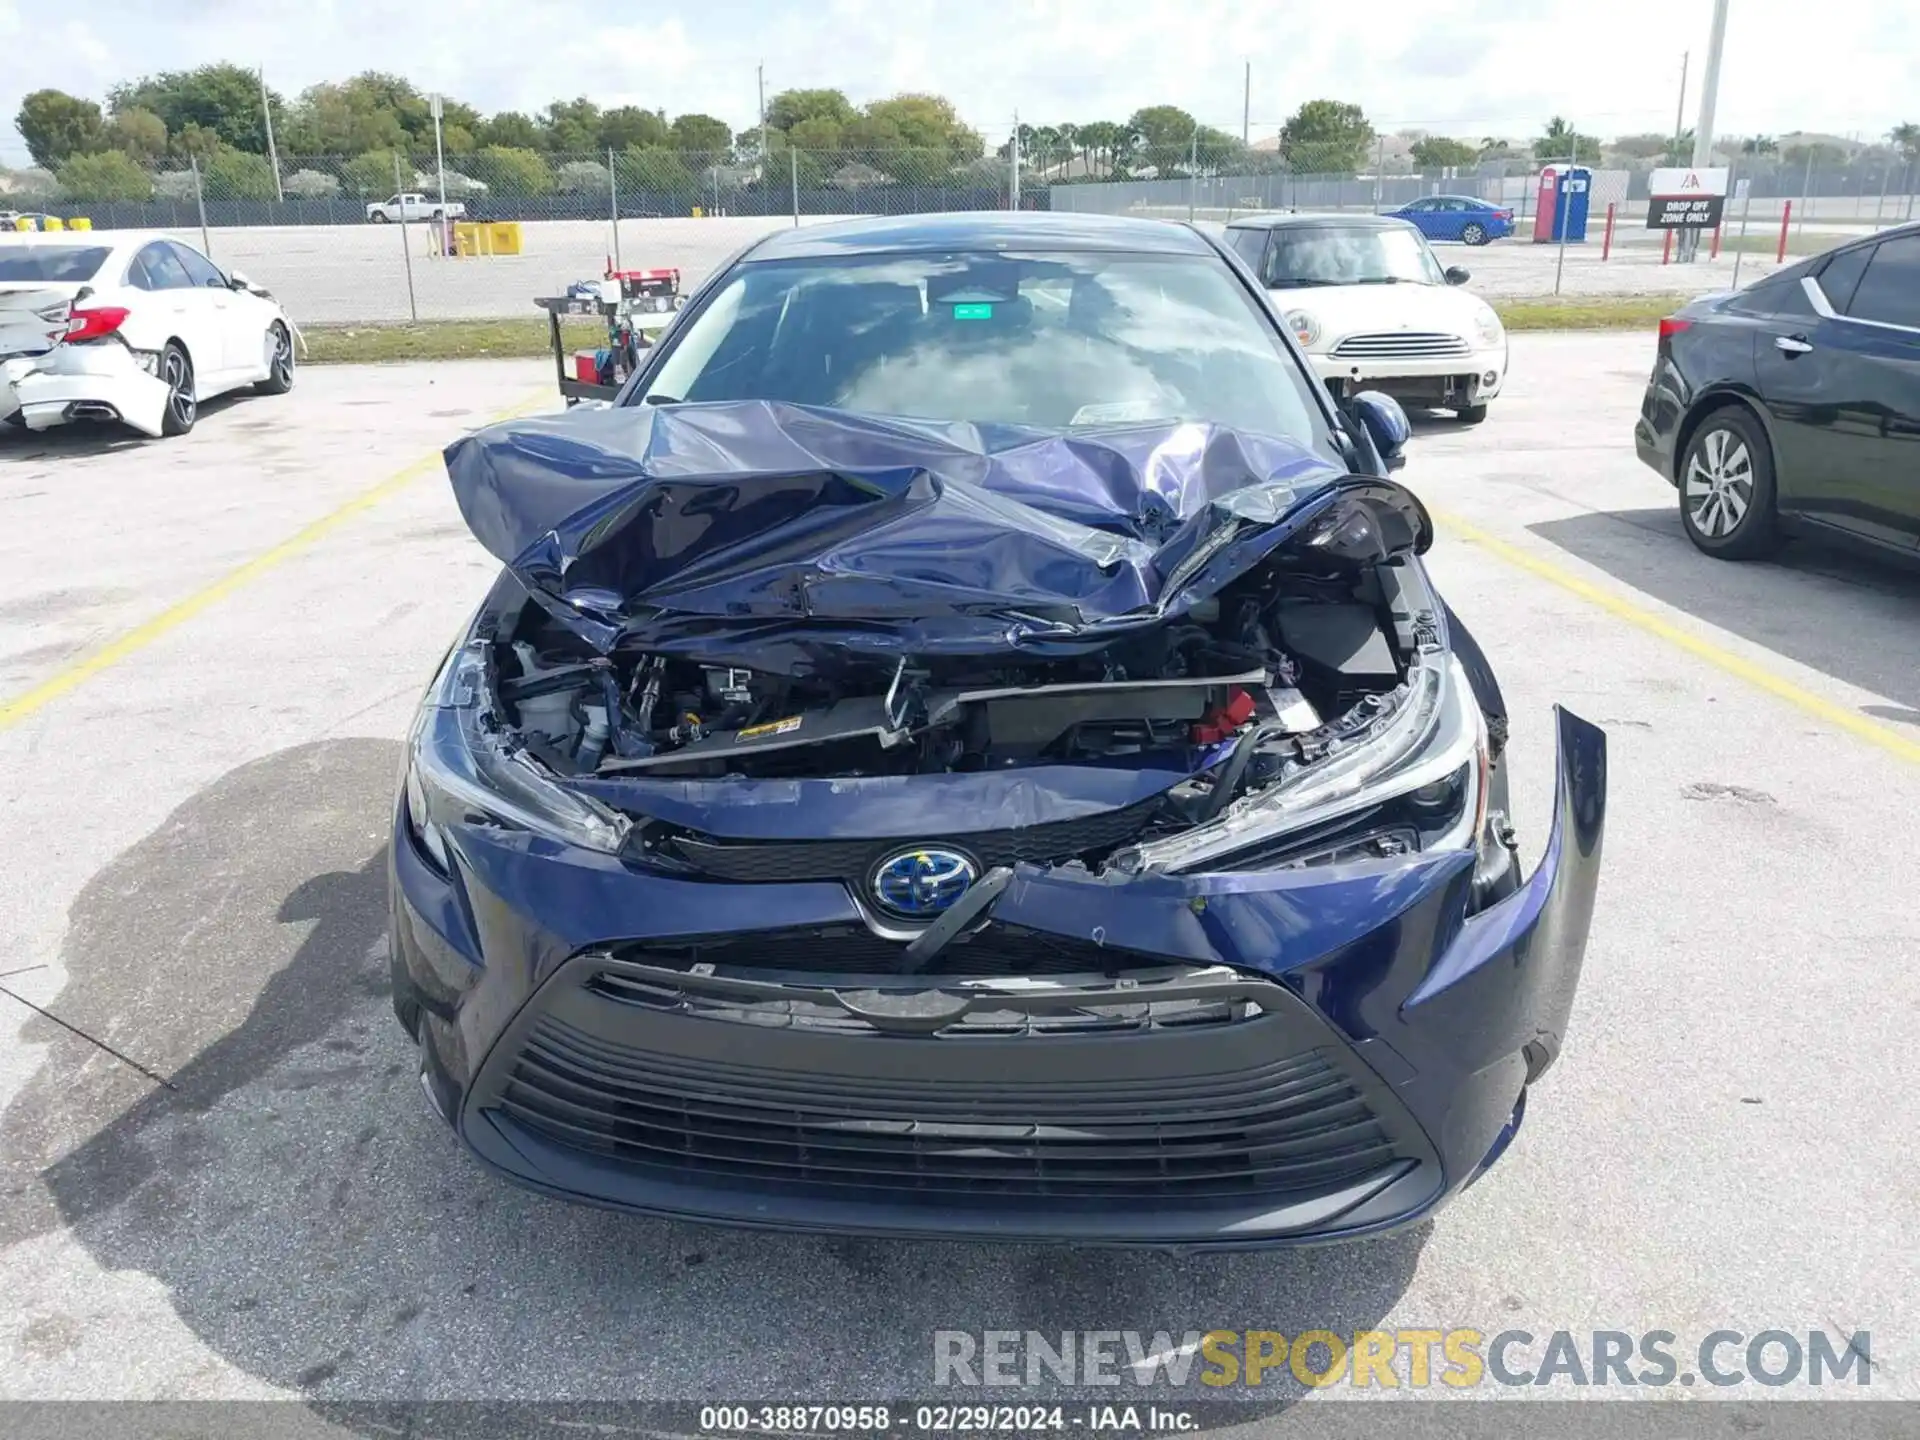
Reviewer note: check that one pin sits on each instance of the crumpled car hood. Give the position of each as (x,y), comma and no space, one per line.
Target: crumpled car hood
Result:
(787,537)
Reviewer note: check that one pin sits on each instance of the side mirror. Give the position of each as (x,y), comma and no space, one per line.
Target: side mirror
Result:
(1386,425)
(237,281)
(1457,276)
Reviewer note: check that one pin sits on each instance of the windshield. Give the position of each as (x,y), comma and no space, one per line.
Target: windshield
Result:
(1350,255)
(1056,341)
(61,263)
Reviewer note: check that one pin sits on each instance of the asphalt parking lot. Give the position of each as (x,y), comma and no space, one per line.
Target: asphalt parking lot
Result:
(209,649)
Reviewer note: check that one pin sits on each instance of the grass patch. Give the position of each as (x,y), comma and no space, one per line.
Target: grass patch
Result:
(526,338)
(1587,312)
(516,339)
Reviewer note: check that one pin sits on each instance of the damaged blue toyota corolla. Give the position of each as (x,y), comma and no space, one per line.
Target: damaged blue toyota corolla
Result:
(967,746)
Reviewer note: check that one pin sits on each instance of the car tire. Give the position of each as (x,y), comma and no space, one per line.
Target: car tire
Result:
(1474,234)
(1727,487)
(1471,414)
(379,217)
(280,367)
(183,407)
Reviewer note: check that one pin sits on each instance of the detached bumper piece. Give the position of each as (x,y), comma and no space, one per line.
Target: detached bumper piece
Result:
(1179,1105)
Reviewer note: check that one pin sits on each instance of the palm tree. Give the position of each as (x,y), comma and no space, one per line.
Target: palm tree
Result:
(1760,145)
(1907,137)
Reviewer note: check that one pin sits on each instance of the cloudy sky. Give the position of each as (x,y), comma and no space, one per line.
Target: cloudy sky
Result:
(1463,66)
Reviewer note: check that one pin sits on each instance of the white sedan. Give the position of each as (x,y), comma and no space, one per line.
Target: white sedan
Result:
(1373,309)
(127,326)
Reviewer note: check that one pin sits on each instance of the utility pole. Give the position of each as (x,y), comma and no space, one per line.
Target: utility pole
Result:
(436,106)
(1013,177)
(760,75)
(273,156)
(1246,107)
(1680,110)
(1709,93)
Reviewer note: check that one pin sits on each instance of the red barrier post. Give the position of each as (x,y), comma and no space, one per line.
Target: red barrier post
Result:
(1786,219)
(1606,245)
(1666,247)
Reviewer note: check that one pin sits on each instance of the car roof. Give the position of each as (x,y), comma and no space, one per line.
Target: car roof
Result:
(1359,220)
(111,239)
(983,229)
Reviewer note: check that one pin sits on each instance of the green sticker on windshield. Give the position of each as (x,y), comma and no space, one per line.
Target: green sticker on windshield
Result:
(973,312)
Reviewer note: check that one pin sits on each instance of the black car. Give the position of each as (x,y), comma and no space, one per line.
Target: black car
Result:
(1794,405)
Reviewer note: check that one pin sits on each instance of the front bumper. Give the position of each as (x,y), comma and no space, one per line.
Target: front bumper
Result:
(100,381)
(1444,380)
(1274,1057)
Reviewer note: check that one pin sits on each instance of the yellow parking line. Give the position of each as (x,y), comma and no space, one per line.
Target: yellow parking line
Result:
(1838,716)
(168,620)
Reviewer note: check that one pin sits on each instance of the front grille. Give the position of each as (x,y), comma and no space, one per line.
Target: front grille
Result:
(1401,345)
(998,950)
(1292,1124)
(790,861)
(826,1009)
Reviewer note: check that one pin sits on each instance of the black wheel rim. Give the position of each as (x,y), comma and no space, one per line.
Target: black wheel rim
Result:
(282,357)
(179,377)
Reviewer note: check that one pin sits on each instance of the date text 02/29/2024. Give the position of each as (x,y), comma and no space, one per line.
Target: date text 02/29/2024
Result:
(941,1419)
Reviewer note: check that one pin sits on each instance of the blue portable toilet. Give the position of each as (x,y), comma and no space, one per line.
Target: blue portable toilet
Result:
(1564,191)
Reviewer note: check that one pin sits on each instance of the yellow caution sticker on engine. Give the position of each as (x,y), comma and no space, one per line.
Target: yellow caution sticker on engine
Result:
(772,727)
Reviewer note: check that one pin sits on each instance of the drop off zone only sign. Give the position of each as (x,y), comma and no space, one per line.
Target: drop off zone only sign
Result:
(1686,199)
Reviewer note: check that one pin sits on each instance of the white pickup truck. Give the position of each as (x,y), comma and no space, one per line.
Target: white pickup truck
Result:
(414,206)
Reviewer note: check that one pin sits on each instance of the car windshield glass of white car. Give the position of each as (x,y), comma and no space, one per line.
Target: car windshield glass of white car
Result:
(1054,341)
(54,264)
(1350,255)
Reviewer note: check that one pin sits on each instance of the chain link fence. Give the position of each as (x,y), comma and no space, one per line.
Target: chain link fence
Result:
(311,228)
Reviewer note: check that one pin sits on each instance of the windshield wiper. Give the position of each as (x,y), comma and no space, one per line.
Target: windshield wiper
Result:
(1299,282)
(1386,280)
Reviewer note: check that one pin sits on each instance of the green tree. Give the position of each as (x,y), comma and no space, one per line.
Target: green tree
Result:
(630,125)
(1103,142)
(194,139)
(1818,153)
(1166,136)
(651,168)
(1760,145)
(139,133)
(223,98)
(57,126)
(105,176)
(570,126)
(510,130)
(230,174)
(1326,135)
(1648,145)
(371,175)
(580,177)
(702,134)
(311,185)
(1679,149)
(510,171)
(927,122)
(1907,137)
(791,107)
(1439,152)
(816,133)
(1562,142)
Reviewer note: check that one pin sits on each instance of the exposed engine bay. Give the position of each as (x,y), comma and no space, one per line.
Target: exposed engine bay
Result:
(1246,633)
(1275,676)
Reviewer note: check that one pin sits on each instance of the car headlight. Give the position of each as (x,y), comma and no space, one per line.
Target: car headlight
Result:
(1422,747)
(1486,327)
(1305,328)
(463,769)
